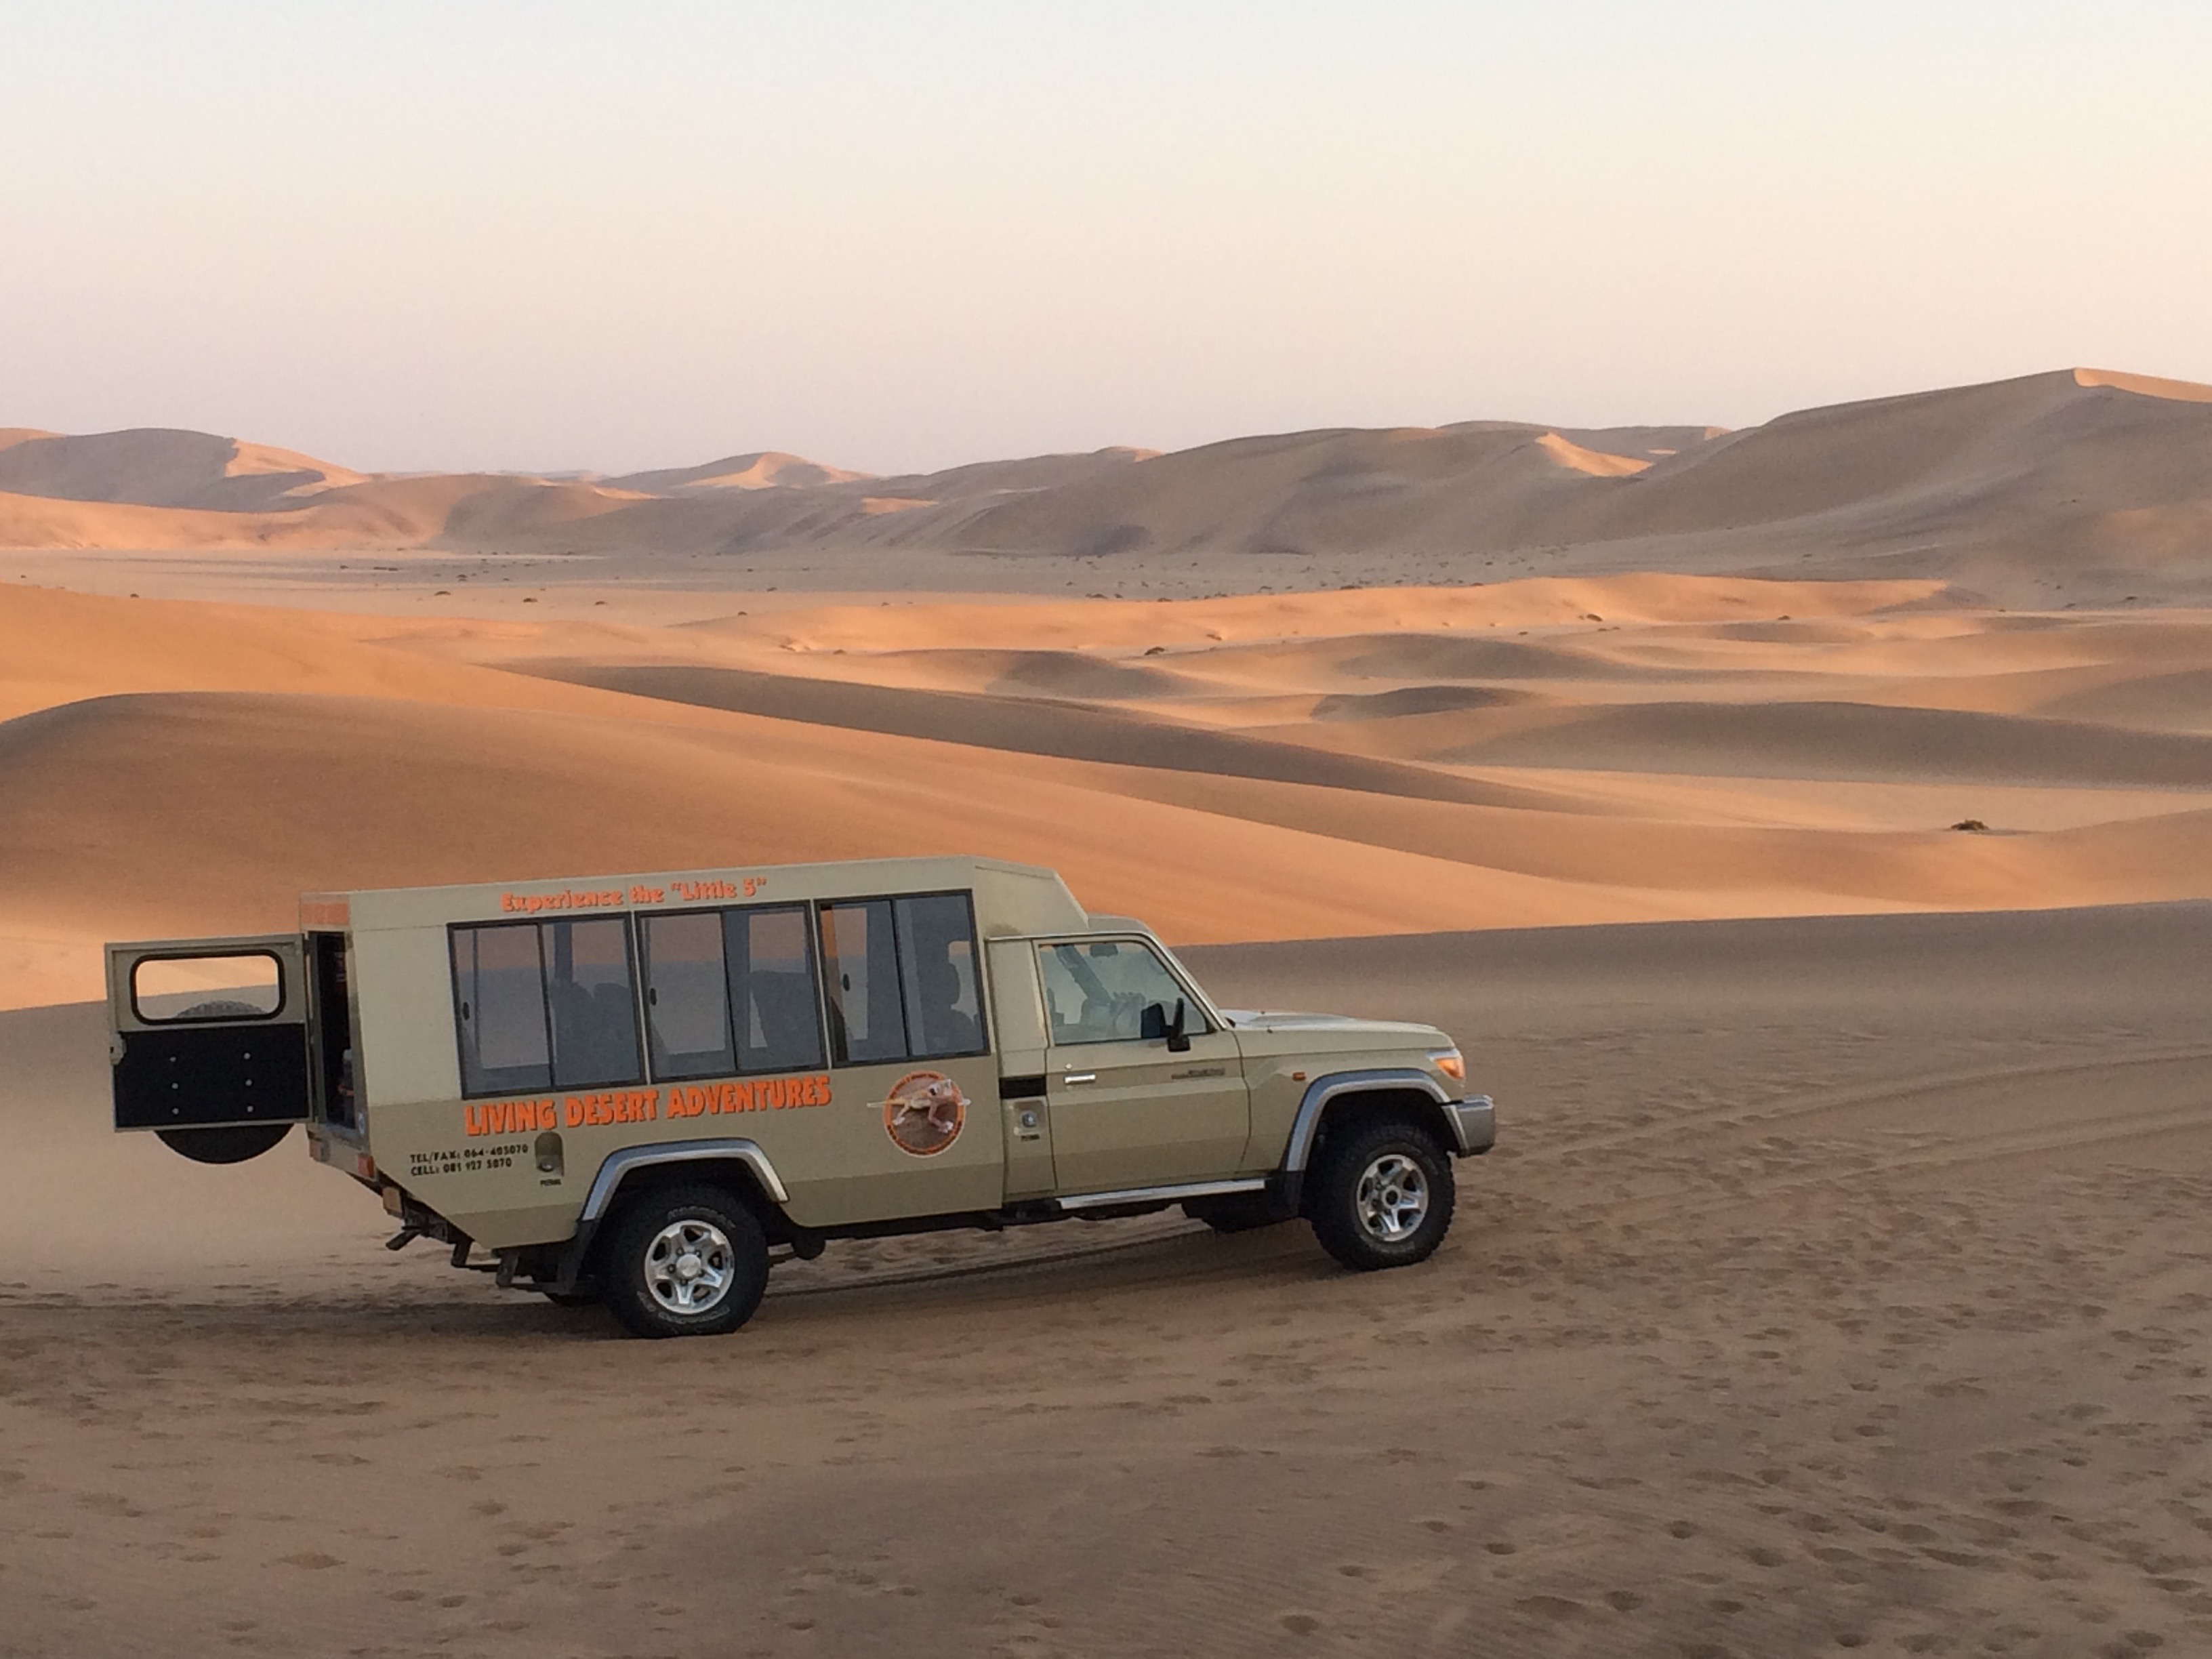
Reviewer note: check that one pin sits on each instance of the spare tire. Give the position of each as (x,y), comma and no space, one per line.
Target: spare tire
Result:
(233,1144)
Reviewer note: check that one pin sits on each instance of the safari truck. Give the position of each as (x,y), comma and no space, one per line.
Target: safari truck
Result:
(644,1090)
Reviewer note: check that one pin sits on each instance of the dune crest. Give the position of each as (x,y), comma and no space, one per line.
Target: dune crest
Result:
(1596,463)
(2145,385)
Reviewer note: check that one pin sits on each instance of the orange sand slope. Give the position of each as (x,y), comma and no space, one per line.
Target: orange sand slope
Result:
(2084,486)
(1323,764)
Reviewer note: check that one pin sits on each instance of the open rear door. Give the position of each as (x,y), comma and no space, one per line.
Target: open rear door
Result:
(211,1043)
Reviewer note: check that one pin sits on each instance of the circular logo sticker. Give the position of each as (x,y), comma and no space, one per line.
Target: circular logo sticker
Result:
(924,1113)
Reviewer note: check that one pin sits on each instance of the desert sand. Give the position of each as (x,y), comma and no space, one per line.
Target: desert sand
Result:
(1836,1285)
(1839,1281)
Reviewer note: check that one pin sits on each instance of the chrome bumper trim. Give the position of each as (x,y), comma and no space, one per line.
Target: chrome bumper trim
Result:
(1475,1122)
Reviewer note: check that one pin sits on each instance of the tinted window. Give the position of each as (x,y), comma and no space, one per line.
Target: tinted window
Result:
(594,1006)
(546,1004)
(771,966)
(499,998)
(860,963)
(1098,992)
(687,995)
(937,967)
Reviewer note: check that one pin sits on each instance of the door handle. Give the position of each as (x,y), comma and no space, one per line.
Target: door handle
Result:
(1080,1076)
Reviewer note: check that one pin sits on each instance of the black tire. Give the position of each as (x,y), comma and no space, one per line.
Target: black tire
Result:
(1238,1212)
(233,1143)
(637,1258)
(1361,1190)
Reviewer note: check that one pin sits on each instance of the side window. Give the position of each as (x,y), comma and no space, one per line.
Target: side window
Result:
(861,970)
(499,998)
(687,1004)
(937,965)
(1098,992)
(771,961)
(546,1004)
(594,1005)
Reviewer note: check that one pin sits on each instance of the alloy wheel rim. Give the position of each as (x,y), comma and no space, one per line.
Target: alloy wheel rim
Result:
(1392,1199)
(689,1267)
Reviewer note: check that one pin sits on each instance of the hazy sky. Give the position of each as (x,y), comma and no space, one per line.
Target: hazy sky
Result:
(892,236)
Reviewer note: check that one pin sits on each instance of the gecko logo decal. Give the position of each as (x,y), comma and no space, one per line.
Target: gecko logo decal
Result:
(924,1112)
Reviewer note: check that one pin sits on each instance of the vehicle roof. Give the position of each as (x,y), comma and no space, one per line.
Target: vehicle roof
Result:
(1010,899)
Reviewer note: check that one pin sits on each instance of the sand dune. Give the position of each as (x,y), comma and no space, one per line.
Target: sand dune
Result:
(1268,766)
(2078,486)
(162,467)
(770,469)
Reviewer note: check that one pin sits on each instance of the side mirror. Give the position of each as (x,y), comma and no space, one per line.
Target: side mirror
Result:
(1155,1024)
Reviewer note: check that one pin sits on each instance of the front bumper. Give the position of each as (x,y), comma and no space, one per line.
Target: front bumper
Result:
(1474,1123)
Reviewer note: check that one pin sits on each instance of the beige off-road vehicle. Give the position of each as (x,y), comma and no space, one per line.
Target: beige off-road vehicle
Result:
(644,1090)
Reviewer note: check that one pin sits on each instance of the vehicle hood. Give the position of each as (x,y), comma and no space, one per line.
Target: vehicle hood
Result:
(1335,1031)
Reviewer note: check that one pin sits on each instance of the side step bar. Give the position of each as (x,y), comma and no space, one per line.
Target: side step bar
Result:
(1163,1195)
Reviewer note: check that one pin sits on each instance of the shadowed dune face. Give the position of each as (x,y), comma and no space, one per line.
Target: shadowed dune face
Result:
(160,467)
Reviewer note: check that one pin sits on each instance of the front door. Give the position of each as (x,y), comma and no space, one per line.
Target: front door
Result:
(210,1046)
(1127,1110)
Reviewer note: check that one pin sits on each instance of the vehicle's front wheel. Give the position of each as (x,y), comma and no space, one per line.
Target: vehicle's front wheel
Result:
(684,1261)
(1380,1195)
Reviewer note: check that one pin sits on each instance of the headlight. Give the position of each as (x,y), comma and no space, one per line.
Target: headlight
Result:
(1448,1062)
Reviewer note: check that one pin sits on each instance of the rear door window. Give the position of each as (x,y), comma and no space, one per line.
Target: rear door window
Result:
(246,986)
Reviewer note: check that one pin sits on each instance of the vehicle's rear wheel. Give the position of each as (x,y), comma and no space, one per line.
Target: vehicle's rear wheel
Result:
(1380,1195)
(684,1261)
